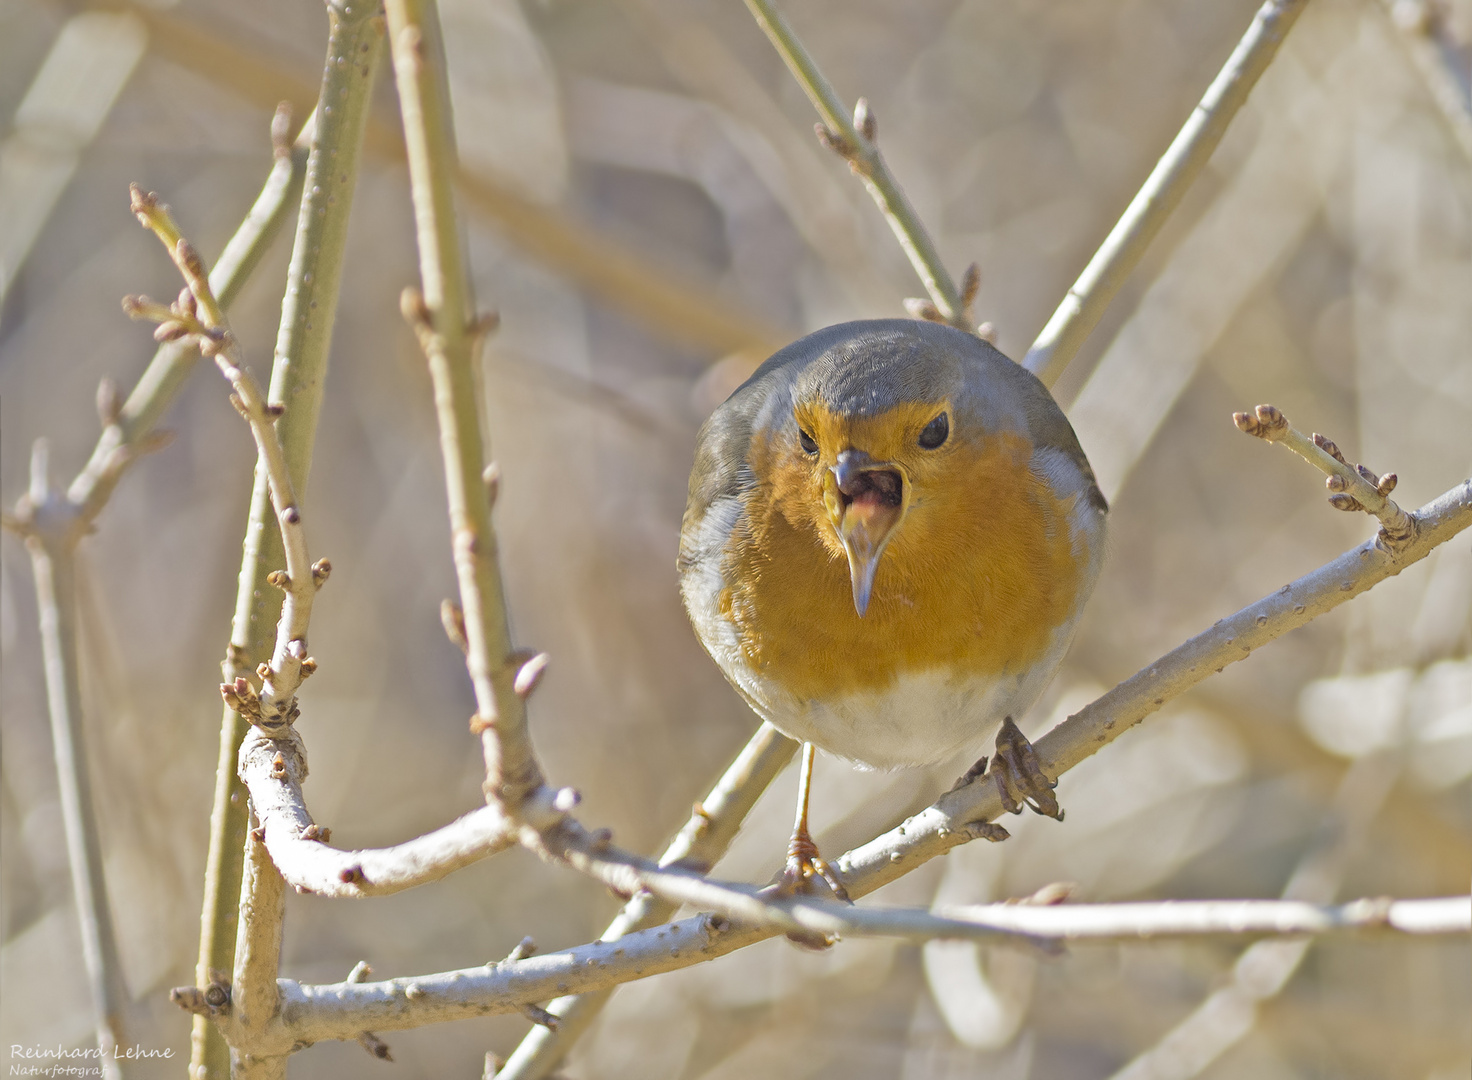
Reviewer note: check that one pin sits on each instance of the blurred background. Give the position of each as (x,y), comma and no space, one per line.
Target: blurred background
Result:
(651,215)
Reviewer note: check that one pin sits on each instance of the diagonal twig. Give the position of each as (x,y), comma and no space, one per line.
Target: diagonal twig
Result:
(1085,303)
(1351,487)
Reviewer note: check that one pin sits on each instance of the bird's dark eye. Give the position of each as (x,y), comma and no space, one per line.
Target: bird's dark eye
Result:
(809,444)
(936,432)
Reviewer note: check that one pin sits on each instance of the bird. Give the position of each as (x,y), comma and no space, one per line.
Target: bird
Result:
(890,535)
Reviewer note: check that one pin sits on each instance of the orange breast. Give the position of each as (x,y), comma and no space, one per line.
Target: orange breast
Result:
(975,578)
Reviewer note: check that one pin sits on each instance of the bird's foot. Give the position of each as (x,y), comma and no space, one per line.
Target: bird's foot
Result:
(1020,778)
(803,861)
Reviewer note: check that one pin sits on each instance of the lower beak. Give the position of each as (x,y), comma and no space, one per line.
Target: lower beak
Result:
(864,520)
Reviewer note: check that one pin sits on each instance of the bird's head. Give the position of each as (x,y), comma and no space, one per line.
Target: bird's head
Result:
(867,472)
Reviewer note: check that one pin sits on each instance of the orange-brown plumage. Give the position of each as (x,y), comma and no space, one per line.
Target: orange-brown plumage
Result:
(890,536)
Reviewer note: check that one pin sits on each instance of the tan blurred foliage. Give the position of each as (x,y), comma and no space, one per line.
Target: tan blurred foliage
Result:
(1323,262)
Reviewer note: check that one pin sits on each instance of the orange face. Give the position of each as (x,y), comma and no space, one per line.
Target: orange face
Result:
(972,569)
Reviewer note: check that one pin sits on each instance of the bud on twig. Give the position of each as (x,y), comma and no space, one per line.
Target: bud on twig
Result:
(865,123)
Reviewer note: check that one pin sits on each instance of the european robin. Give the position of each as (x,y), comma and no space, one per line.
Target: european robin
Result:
(890,536)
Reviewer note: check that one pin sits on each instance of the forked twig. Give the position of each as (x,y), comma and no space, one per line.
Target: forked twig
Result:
(1351,487)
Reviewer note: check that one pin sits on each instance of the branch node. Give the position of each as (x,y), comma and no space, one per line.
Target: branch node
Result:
(374,1045)
(109,402)
(523,948)
(1327,446)
(170,330)
(1268,423)
(987,331)
(921,308)
(452,618)
(538,1015)
(832,140)
(281,131)
(865,122)
(529,675)
(566,800)
(491,477)
(308,667)
(321,570)
(970,286)
(986,830)
(279,579)
(143,204)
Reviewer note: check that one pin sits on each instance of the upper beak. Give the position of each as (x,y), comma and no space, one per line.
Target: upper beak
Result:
(865,500)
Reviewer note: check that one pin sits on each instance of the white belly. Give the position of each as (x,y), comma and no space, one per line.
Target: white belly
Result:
(923,718)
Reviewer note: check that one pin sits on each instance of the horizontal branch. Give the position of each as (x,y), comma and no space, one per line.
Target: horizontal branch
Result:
(341,1010)
(1161,193)
(273,770)
(334,1012)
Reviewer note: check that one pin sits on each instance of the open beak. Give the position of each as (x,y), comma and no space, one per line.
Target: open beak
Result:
(865,500)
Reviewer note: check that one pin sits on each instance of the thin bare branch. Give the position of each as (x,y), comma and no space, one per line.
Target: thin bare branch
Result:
(698,846)
(854,140)
(340,1011)
(273,770)
(199,315)
(354,48)
(445,321)
(1080,311)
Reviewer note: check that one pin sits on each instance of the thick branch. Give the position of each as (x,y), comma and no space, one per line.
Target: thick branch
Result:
(256,995)
(444,319)
(1080,311)
(273,770)
(855,141)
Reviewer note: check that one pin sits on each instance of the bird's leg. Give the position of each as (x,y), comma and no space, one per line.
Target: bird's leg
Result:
(803,860)
(1020,778)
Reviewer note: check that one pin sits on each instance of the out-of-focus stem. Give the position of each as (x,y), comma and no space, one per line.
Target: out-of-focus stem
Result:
(53,565)
(1162,192)
(353,51)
